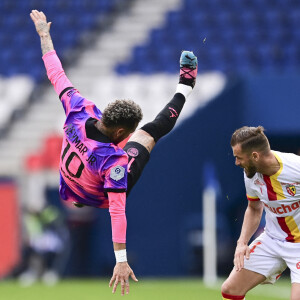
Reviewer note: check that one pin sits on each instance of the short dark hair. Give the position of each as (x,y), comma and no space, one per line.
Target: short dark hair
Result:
(122,113)
(250,139)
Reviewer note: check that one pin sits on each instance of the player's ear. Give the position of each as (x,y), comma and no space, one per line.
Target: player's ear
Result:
(120,131)
(255,155)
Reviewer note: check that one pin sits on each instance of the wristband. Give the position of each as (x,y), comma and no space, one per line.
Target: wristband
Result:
(121,255)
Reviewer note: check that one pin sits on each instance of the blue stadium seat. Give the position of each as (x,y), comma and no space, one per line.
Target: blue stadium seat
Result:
(252,36)
(175,19)
(140,54)
(40,4)
(279,35)
(226,19)
(239,34)
(291,54)
(191,5)
(22,38)
(273,17)
(249,19)
(159,36)
(70,19)
(7,5)
(294,17)
(4,39)
(123,69)
(20,46)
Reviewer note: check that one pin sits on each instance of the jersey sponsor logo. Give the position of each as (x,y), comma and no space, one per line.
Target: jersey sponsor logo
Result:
(283,209)
(291,189)
(117,173)
(133,152)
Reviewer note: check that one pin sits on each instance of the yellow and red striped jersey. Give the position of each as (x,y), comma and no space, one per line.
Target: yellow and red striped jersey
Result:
(280,194)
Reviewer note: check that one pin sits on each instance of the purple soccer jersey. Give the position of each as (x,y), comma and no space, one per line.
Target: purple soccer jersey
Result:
(90,165)
(93,171)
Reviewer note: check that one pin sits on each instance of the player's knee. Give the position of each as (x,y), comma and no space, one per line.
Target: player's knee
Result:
(228,288)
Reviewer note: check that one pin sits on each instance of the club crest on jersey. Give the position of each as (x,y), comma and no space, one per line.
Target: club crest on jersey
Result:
(117,173)
(71,92)
(133,152)
(291,189)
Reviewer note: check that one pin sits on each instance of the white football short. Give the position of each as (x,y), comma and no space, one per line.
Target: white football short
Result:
(271,257)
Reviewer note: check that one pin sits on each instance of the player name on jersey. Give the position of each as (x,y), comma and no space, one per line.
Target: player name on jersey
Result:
(72,135)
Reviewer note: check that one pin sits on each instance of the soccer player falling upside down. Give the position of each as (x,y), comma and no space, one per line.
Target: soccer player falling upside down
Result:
(94,170)
(272,181)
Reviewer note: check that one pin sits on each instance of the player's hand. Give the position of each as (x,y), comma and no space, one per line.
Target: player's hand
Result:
(121,274)
(40,21)
(242,250)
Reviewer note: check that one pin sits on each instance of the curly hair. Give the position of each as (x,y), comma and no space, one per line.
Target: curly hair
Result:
(250,138)
(122,113)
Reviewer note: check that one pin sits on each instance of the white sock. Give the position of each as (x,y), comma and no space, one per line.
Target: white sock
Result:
(184,89)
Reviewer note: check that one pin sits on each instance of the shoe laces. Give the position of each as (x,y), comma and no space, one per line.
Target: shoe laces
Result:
(187,71)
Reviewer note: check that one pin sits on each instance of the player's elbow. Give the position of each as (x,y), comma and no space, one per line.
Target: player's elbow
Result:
(117,211)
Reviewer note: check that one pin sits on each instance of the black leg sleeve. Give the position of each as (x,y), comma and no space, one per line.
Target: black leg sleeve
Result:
(166,119)
(138,157)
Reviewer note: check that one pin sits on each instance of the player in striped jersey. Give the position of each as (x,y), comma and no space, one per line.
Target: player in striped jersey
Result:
(94,169)
(272,181)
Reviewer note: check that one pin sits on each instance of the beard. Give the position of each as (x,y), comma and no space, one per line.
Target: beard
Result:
(250,170)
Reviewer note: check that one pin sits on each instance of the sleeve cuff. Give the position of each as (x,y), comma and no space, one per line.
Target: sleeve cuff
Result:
(120,241)
(52,52)
(115,190)
(64,91)
(252,198)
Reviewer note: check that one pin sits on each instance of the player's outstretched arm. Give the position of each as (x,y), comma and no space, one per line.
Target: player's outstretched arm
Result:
(53,65)
(122,270)
(43,29)
(250,224)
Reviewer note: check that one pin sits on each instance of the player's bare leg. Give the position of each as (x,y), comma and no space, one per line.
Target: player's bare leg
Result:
(144,138)
(240,282)
(295,295)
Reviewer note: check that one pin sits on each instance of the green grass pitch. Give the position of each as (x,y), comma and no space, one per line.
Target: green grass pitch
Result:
(152,289)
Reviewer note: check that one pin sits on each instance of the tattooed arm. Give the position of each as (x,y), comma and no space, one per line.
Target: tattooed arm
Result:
(43,29)
(55,71)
